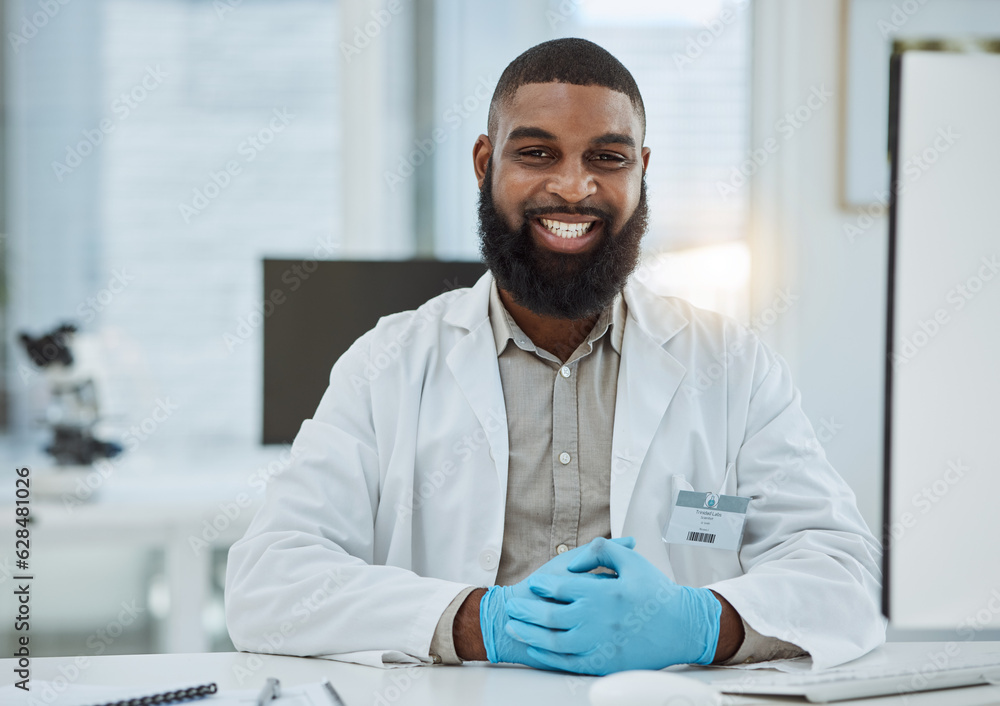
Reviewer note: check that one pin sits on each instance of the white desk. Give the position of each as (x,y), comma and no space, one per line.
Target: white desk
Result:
(417,686)
(184,501)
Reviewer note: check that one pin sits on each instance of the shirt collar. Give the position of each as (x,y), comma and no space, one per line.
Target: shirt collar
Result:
(505,329)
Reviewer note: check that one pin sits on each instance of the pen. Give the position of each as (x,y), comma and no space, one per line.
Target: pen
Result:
(167,697)
(271,691)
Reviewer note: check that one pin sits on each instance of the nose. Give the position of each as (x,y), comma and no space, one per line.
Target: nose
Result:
(572,182)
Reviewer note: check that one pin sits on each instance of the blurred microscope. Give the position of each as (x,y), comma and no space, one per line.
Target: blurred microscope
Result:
(72,410)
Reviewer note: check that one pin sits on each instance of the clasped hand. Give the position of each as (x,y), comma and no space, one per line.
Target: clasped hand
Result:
(562,617)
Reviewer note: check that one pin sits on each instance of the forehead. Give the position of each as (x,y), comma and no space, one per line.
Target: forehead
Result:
(567,111)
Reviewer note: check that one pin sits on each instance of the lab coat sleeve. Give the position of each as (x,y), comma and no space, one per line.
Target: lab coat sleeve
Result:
(812,569)
(302,581)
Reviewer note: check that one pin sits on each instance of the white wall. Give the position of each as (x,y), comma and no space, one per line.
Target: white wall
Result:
(833,334)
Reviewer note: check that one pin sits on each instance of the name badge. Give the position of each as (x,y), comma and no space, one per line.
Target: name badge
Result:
(707,520)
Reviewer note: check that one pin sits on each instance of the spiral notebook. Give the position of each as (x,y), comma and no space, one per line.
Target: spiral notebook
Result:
(45,693)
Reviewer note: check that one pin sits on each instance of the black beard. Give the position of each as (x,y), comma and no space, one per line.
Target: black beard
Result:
(561,285)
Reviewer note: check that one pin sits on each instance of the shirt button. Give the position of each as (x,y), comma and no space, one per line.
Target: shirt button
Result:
(564,458)
(488,560)
(561,549)
(565,371)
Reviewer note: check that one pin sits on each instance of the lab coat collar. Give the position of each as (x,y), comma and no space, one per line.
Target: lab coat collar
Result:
(473,362)
(648,380)
(660,322)
(471,308)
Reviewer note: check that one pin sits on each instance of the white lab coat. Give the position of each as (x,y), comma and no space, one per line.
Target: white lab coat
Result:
(394,500)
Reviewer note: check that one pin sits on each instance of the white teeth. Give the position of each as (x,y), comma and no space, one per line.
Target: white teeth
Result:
(566,230)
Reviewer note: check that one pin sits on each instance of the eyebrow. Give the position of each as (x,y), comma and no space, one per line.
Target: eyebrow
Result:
(610,138)
(530,132)
(614,138)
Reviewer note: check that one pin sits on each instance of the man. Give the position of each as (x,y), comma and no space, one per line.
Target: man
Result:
(507,425)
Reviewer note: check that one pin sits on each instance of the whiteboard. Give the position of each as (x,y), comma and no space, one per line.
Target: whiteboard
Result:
(943,370)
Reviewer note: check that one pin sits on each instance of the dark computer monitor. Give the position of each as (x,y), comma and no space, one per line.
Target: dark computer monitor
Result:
(316,315)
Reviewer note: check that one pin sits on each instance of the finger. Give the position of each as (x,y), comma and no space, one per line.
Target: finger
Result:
(546,614)
(567,642)
(559,562)
(565,589)
(577,551)
(578,664)
(601,552)
(625,541)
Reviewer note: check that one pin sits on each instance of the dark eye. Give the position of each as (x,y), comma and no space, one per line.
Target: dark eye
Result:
(610,158)
(536,153)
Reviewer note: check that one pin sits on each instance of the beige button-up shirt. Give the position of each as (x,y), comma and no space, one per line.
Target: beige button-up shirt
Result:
(560,418)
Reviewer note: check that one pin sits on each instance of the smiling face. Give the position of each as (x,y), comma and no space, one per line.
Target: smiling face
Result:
(562,197)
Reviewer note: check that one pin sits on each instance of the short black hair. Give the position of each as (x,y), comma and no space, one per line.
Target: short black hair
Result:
(570,60)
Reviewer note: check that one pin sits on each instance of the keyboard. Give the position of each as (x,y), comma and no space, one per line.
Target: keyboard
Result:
(933,671)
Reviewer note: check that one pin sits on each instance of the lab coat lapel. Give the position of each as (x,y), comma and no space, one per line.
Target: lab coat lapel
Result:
(648,379)
(473,362)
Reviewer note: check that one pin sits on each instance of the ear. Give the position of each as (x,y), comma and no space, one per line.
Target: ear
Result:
(645,159)
(481,152)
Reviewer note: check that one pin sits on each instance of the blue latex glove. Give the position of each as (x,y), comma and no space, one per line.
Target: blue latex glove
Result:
(639,620)
(500,645)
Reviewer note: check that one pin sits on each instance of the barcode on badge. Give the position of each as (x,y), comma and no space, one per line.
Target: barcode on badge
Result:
(701,537)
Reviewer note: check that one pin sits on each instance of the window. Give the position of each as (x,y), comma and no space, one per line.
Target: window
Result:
(165,147)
